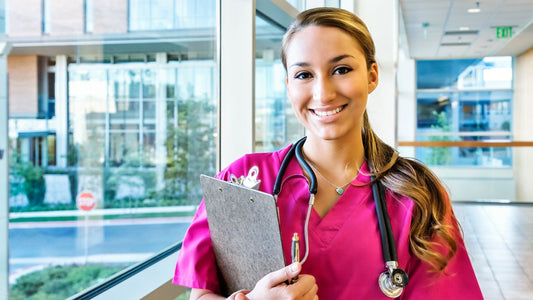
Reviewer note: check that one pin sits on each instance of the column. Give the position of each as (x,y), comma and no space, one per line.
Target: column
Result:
(61,110)
(381,18)
(161,120)
(237,63)
(4,174)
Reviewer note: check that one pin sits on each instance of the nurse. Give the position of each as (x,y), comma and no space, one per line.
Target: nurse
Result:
(329,54)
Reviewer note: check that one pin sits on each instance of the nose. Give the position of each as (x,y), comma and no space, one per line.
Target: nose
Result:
(323,89)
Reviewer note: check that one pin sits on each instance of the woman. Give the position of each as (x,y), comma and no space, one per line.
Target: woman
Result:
(328,54)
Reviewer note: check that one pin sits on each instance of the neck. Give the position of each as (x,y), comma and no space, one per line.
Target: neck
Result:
(338,160)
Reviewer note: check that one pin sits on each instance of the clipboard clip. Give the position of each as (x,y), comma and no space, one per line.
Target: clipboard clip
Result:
(250,181)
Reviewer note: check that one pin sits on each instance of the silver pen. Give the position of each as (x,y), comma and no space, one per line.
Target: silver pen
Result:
(295,252)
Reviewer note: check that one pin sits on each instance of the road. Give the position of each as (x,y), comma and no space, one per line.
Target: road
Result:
(33,245)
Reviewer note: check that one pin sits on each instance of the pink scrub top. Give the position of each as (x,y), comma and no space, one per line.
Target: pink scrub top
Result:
(345,255)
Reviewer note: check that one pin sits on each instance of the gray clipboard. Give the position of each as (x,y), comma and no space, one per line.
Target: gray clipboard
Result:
(245,232)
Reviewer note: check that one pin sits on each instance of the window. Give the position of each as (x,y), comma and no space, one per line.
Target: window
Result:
(171,14)
(46,16)
(129,124)
(89,15)
(465,100)
(275,123)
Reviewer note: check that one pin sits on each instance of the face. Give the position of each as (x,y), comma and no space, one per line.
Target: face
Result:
(328,82)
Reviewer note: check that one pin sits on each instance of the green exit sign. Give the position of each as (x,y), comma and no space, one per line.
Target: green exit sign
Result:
(504,32)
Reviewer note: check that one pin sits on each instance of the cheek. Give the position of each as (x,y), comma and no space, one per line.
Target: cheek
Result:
(295,94)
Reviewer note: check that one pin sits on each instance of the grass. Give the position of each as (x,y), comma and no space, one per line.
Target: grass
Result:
(105,217)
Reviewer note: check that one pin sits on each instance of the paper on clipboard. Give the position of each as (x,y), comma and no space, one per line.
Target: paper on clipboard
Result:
(245,232)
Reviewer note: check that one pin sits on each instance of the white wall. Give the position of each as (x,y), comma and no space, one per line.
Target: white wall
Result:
(383,27)
(523,124)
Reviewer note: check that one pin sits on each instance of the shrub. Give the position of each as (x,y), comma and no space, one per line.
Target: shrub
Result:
(60,282)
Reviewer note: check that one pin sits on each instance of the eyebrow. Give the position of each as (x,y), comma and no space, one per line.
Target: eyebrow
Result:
(333,60)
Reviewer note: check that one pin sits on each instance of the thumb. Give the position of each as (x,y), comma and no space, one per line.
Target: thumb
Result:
(240,296)
(282,275)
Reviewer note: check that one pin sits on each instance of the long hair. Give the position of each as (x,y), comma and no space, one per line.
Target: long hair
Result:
(432,235)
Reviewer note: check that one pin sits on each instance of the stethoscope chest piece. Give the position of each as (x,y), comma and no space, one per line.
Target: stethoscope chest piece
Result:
(387,287)
(392,281)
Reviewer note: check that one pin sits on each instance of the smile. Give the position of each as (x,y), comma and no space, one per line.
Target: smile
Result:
(329,112)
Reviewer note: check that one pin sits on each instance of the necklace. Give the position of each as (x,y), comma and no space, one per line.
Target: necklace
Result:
(338,189)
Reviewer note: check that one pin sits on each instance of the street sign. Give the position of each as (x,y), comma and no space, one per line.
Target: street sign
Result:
(85,201)
(504,32)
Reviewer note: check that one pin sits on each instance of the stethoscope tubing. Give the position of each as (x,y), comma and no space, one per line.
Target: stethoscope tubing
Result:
(388,244)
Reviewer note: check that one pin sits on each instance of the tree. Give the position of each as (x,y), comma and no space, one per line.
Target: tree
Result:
(190,150)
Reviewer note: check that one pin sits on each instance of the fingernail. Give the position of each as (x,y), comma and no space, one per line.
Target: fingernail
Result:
(293,267)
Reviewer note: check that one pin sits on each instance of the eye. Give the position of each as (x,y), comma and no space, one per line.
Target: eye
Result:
(342,70)
(302,75)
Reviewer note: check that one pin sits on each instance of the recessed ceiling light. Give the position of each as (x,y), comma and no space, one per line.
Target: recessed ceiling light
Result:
(464,28)
(474,10)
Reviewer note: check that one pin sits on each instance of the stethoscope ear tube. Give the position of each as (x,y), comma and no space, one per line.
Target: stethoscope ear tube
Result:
(277,184)
(299,156)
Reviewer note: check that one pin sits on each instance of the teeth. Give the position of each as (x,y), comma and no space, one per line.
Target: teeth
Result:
(327,113)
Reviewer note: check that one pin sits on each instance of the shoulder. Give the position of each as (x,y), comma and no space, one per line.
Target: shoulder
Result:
(268,164)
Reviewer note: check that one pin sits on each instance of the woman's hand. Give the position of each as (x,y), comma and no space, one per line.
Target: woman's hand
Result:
(273,285)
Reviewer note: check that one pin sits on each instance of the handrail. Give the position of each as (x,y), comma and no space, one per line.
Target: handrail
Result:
(102,287)
(466,144)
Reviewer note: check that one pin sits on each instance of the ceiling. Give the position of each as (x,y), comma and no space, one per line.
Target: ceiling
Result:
(444,29)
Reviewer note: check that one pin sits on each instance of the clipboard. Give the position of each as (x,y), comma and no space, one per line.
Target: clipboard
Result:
(245,232)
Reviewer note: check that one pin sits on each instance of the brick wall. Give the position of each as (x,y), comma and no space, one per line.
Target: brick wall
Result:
(22,75)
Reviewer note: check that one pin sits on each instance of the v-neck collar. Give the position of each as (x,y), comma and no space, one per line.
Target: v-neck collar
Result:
(326,228)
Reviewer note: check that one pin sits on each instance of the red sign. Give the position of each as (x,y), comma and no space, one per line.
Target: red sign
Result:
(85,201)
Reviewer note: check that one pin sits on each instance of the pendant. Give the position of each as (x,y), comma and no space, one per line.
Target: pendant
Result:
(339,190)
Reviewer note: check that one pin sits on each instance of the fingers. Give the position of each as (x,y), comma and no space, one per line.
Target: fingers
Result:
(312,290)
(273,285)
(304,288)
(240,296)
(275,278)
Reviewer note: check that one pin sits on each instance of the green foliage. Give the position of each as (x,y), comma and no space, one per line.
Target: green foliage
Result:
(441,155)
(60,282)
(33,184)
(190,151)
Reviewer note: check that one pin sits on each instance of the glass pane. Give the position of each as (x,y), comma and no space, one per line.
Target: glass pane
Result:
(464,156)
(275,123)
(135,124)
(465,100)
(298,4)
(488,72)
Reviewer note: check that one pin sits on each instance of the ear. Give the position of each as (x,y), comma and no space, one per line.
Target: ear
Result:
(372,77)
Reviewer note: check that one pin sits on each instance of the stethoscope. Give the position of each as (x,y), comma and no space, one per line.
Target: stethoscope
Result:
(393,279)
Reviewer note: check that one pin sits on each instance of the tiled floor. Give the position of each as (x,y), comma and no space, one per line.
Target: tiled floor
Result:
(500,243)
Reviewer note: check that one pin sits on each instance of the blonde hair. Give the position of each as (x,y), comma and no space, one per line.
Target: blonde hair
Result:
(433,223)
